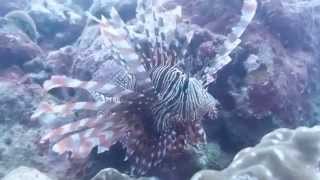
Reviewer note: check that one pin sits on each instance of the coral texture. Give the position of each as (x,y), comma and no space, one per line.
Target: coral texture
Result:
(109,173)
(16,49)
(281,155)
(26,173)
(23,20)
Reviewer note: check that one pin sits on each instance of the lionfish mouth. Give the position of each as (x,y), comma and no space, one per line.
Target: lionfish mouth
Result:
(153,106)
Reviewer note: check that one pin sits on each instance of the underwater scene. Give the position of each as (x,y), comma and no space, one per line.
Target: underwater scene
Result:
(159,89)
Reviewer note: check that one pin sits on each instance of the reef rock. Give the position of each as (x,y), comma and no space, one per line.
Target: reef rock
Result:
(17,98)
(276,80)
(113,174)
(58,24)
(17,103)
(215,15)
(295,22)
(84,4)
(16,49)
(126,8)
(91,58)
(19,135)
(281,155)
(26,173)
(267,85)
(7,6)
(60,61)
(24,22)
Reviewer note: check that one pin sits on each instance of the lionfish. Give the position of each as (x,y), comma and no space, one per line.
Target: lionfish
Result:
(156,106)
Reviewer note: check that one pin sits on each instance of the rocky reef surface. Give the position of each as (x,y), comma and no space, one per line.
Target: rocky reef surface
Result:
(271,83)
(281,154)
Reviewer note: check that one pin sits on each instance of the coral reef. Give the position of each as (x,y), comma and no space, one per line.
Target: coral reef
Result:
(16,49)
(269,84)
(281,154)
(7,6)
(17,140)
(22,20)
(26,173)
(126,8)
(60,61)
(109,173)
(56,22)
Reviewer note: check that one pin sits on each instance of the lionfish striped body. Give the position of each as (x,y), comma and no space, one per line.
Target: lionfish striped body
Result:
(153,107)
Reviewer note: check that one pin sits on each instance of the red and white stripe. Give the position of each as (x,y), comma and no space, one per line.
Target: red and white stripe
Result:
(57,133)
(81,142)
(66,109)
(108,89)
(120,40)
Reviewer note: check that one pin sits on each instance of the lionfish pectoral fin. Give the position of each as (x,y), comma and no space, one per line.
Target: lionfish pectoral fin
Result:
(116,19)
(80,147)
(43,108)
(108,89)
(56,134)
(66,109)
(82,136)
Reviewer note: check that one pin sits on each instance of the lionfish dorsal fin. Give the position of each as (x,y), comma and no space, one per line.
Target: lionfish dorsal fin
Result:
(248,12)
(115,32)
(158,28)
(223,58)
(92,17)
(115,18)
(143,6)
(104,20)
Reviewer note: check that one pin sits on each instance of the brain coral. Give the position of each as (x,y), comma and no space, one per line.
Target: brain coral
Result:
(283,154)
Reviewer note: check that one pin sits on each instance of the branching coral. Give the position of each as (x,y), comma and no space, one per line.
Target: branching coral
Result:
(281,155)
(152,105)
